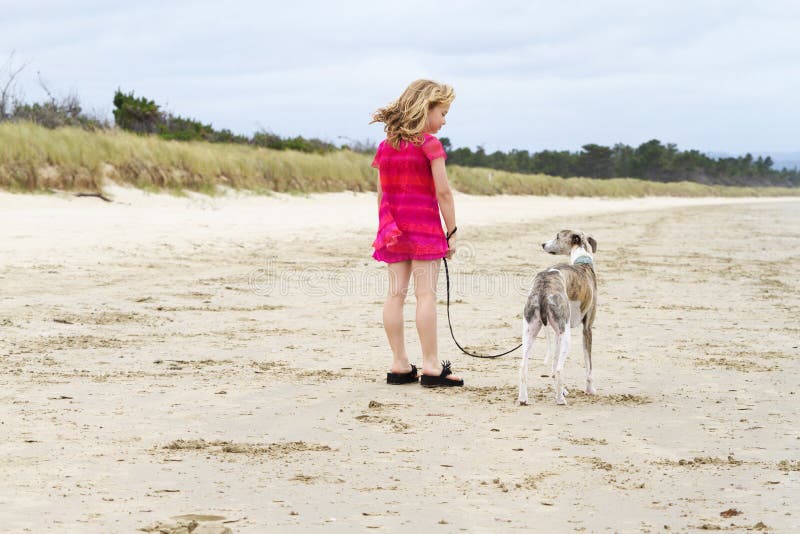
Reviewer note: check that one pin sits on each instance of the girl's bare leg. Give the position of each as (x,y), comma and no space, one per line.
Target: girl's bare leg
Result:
(399,274)
(426,275)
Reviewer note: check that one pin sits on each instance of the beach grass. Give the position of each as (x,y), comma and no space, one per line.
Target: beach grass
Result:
(37,159)
(34,158)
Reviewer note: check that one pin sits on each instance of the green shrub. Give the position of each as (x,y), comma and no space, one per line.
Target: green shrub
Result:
(138,115)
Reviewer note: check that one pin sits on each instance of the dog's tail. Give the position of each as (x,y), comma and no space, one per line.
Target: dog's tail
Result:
(546,306)
(537,308)
(543,311)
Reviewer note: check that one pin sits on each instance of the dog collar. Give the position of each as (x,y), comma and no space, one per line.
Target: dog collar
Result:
(583,260)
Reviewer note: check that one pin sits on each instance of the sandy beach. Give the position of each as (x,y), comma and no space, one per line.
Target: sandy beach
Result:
(167,360)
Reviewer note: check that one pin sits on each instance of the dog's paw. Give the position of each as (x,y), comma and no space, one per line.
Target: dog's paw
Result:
(523,402)
(564,391)
(561,400)
(590,390)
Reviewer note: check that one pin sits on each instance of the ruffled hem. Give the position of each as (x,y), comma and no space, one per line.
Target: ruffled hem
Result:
(402,250)
(393,257)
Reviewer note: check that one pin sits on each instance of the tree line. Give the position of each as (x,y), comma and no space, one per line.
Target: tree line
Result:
(140,115)
(652,160)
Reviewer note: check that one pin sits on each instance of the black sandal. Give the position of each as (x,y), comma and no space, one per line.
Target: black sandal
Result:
(441,381)
(403,378)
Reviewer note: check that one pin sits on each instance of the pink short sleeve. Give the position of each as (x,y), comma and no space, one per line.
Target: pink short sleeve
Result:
(376,162)
(433,148)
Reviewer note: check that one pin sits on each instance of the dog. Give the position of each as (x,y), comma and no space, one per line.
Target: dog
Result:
(562,297)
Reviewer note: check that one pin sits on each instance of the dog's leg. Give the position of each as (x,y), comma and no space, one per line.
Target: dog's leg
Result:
(549,353)
(587,357)
(556,351)
(556,345)
(529,332)
(562,345)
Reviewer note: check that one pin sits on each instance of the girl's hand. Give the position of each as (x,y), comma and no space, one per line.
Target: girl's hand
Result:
(451,247)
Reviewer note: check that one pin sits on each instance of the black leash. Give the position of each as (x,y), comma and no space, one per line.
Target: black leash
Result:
(450,323)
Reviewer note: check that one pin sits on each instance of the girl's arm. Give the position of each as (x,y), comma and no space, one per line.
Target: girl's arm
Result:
(444,194)
(380,191)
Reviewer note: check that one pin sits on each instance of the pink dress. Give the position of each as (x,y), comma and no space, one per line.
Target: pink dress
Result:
(409,227)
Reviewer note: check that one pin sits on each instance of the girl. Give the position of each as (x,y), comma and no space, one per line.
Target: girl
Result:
(412,190)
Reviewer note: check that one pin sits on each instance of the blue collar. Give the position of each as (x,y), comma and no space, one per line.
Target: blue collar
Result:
(583,260)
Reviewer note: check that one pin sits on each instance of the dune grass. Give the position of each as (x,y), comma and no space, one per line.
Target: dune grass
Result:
(33,158)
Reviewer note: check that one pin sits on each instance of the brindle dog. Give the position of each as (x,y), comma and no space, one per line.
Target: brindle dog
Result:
(562,297)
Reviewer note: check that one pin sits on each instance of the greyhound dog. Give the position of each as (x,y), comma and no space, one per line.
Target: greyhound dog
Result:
(562,296)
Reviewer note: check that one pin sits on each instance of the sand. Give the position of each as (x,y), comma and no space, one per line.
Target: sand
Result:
(168,362)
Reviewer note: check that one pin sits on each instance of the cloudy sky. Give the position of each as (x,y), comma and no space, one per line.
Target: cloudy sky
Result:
(718,76)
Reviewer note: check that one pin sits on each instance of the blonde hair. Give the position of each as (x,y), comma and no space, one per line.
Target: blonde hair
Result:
(405,118)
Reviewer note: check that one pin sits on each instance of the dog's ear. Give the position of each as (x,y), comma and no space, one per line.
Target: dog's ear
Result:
(593,243)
